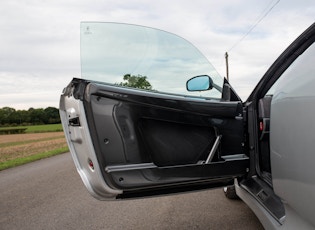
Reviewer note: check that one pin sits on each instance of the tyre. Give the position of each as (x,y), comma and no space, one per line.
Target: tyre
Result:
(230,192)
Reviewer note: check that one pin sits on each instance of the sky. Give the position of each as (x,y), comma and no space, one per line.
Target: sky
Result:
(40,39)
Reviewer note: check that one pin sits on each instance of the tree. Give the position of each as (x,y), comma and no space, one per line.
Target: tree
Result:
(52,115)
(139,82)
(10,116)
(5,115)
(37,116)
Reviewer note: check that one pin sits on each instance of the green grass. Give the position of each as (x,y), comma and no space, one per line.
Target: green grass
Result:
(24,160)
(38,128)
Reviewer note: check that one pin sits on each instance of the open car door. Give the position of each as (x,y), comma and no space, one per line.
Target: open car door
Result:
(135,127)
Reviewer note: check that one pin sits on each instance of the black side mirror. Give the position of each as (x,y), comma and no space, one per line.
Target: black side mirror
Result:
(199,83)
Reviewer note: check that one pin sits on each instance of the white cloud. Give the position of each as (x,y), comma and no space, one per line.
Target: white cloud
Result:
(39,40)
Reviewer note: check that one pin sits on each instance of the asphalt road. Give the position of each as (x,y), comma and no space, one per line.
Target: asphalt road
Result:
(49,194)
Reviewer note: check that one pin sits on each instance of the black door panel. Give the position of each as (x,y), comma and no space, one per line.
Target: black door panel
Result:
(171,143)
(129,177)
(147,140)
(175,102)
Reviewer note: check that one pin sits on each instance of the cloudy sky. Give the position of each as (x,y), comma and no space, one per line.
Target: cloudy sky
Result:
(40,50)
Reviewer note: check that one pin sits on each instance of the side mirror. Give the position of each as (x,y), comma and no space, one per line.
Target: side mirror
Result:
(199,83)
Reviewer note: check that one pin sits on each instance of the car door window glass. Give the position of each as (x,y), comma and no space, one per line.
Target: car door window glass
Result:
(142,57)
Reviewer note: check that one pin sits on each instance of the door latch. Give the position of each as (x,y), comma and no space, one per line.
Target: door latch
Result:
(74,121)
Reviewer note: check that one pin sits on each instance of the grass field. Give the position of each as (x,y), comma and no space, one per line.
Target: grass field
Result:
(39,142)
(38,128)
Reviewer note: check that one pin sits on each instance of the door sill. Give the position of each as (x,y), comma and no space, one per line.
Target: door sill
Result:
(264,194)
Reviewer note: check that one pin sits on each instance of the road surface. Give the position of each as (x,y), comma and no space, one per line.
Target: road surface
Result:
(49,194)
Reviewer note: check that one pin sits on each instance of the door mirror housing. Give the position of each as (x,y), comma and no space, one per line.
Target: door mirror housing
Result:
(199,83)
